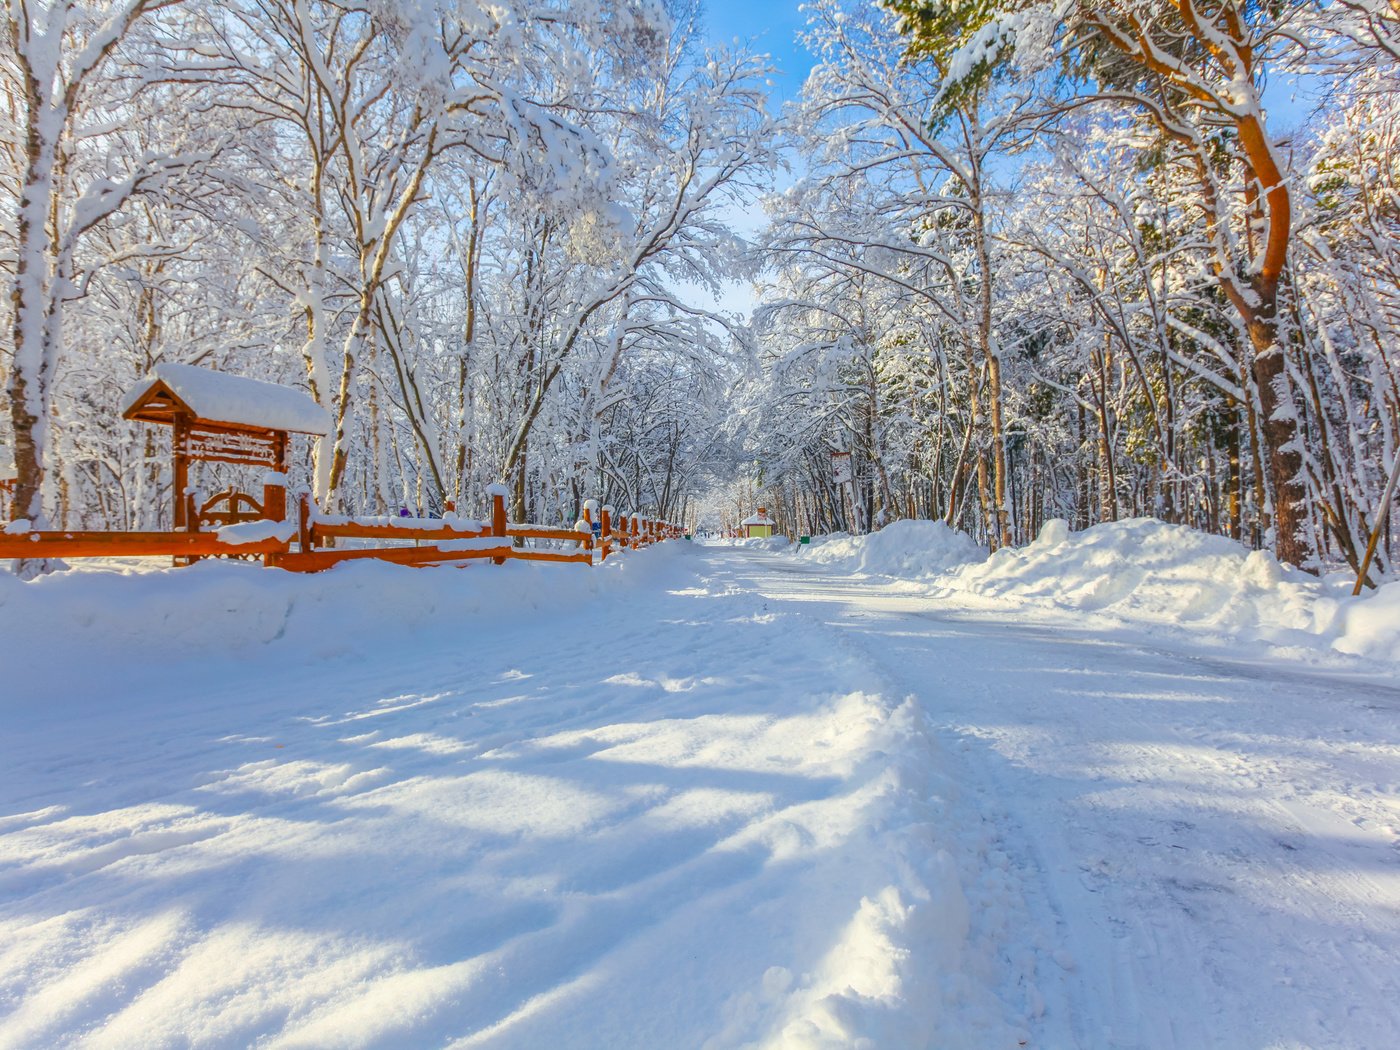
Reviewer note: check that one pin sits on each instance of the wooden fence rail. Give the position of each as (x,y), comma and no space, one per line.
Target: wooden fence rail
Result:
(80,544)
(312,542)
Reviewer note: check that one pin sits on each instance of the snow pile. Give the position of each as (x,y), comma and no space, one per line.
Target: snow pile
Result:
(766,543)
(920,932)
(256,532)
(906,549)
(1370,624)
(1147,571)
(1138,571)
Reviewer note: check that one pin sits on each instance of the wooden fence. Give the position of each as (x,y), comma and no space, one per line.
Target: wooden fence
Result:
(315,541)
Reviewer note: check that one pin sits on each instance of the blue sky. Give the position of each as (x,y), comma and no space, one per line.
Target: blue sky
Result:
(770,25)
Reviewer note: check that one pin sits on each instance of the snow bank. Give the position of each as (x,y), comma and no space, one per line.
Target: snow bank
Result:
(1370,625)
(766,543)
(228,609)
(1147,571)
(906,549)
(1139,571)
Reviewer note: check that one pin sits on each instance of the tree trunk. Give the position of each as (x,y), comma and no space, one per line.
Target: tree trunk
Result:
(998,529)
(1279,424)
(1235,479)
(30,295)
(1086,484)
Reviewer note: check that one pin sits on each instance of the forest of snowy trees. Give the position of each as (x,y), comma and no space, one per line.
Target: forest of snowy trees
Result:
(460,225)
(1023,260)
(1058,259)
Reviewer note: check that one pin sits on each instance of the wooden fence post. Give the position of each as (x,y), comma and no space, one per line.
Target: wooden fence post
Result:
(498,494)
(304,522)
(587,522)
(606,532)
(274,502)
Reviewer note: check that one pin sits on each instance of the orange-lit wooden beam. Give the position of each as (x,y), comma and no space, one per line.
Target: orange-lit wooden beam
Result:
(538,532)
(320,531)
(70,544)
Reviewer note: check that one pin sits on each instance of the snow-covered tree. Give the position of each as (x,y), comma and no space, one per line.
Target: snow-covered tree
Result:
(70,171)
(1195,73)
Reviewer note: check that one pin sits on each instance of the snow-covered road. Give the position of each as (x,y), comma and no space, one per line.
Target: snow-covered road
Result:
(711,798)
(1209,849)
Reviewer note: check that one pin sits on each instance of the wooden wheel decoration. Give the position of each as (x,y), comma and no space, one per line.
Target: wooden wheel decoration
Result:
(230,507)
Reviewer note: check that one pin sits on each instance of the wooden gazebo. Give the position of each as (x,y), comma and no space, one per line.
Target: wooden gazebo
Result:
(224,418)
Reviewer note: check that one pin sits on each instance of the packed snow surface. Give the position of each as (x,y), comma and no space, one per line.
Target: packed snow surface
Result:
(703,797)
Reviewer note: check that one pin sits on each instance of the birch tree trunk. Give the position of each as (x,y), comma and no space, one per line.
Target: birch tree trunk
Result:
(52,72)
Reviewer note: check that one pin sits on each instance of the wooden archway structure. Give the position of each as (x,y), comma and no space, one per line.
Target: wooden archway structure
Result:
(221,418)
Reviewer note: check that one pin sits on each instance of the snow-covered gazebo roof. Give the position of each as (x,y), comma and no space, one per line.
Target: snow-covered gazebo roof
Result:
(761,518)
(172,391)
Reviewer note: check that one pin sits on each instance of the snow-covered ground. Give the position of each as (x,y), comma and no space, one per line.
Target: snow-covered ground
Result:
(701,797)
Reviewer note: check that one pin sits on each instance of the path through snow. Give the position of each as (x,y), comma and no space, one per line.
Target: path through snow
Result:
(1210,849)
(712,799)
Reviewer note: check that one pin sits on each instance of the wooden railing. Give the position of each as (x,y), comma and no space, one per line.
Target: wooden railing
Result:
(628,531)
(72,543)
(318,539)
